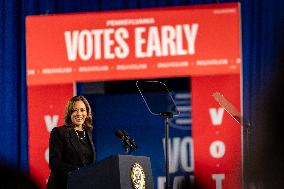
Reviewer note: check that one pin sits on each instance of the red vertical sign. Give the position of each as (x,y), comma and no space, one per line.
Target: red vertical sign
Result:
(216,135)
(46,106)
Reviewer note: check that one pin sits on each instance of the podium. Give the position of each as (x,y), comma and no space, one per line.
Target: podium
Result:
(115,172)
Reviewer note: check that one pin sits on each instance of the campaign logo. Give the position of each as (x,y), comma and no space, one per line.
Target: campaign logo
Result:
(137,176)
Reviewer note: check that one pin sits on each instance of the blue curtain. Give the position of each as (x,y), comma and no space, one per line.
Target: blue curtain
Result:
(260,32)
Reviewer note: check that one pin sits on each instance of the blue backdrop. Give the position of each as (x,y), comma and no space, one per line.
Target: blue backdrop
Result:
(260,38)
(126,110)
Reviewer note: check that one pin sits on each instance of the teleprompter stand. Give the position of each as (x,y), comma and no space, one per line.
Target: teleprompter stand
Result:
(159,102)
(246,126)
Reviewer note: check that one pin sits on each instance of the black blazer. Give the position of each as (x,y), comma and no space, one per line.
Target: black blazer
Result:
(65,155)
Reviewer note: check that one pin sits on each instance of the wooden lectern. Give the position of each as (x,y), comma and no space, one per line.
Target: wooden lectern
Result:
(115,172)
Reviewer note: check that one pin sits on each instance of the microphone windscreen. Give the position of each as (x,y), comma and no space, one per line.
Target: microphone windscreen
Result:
(124,133)
(119,134)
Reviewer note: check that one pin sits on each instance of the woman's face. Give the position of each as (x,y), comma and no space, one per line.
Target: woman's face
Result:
(79,113)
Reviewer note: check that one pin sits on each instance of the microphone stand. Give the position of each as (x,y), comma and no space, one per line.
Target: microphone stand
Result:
(128,142)
(166,99)
(126,149)
(167,116)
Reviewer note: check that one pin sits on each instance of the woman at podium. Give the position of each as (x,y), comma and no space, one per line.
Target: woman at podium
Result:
(71,145)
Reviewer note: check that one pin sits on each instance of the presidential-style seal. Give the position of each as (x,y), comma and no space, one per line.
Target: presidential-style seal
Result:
(137,176)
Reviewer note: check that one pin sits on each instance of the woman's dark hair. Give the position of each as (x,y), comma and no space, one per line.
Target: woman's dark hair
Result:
(69,110)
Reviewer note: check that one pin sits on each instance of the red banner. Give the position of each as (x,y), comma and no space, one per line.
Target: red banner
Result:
(46,110)
(217,135)
(152,43)
(133,44)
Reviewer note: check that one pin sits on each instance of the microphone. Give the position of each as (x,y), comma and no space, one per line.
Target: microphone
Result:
(126,139)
